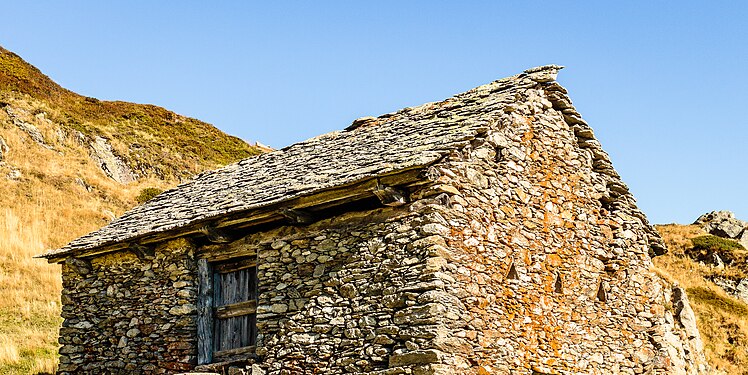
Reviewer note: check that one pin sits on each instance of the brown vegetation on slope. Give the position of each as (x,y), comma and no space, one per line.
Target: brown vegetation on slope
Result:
(55,192)
(722,319)
(139,133)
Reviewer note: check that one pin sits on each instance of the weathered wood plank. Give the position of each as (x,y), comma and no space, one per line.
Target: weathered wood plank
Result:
(236,309)
(234,332)
(235,266)
(204,312)
(223,354)
(219,253)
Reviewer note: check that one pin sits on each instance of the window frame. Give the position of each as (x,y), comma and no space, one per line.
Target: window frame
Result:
(211,312)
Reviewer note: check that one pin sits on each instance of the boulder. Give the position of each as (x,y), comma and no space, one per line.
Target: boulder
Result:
(737,288)
(729,228)
(724,224)
(742,238)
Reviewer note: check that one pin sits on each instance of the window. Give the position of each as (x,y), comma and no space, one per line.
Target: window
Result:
(227,306)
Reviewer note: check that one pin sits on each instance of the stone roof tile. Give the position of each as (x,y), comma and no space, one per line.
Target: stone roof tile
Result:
(409,138)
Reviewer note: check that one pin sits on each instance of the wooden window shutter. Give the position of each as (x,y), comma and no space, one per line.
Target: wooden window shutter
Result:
(227,319)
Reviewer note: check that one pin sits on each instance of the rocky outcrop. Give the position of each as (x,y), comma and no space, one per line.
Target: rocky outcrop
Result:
(109,162)
(30,129)
(724,224)
(692,358)
(737,288)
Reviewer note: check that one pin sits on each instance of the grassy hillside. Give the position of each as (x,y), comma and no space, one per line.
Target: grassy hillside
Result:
(141,134)
(722,319)
(54,190)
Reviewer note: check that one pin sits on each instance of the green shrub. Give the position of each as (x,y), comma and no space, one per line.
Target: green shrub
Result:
(147,194)
(715,243)
(704,246)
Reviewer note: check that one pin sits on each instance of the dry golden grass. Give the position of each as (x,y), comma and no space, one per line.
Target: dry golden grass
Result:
(45,209)
(722,319)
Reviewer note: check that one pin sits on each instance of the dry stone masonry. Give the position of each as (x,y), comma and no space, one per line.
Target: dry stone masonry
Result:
(125,315)
(485,234)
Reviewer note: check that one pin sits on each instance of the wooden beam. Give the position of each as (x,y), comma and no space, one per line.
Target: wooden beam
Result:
(391,196)
(204,312)
(236,309)
(235,266)
(236,249)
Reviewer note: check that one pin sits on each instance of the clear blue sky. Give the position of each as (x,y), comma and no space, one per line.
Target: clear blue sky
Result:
(663,83)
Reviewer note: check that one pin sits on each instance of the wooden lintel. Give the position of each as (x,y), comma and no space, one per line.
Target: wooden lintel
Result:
(214,234)
(235,265)
(218,253)
(295,216)
(142,252)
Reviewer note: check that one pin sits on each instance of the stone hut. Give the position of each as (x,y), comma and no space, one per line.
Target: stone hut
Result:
(484,234)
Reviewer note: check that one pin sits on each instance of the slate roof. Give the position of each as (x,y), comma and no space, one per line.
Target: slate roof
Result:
(409,138)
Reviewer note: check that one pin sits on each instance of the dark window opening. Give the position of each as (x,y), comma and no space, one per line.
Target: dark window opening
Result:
(602,295)
(512,274)
(558,286)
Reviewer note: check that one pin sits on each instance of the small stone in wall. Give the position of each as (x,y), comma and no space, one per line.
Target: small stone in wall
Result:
(319,270)
(183,310)
(279,308)
(83,325)
(132,333)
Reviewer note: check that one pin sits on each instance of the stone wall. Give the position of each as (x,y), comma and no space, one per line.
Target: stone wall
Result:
(125,315)
(354,294)
(523,253)
(550,259)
